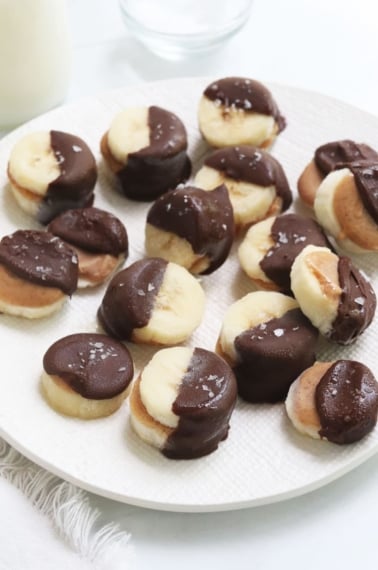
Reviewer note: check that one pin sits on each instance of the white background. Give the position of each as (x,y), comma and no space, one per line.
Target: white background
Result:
(328,46)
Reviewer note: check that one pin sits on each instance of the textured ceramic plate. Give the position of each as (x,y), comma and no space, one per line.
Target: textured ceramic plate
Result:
(264,459)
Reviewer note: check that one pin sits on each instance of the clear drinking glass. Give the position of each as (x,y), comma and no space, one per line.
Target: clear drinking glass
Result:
(176,29)
(35,52)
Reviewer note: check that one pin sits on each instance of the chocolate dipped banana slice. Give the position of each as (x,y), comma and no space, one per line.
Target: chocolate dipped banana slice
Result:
(152,302)
(38,271)
(99,239)
(146,147)
(182,402)
(86,375)
(327,158)
(336,401)
(256,182)
(269,248)
(333,294)
(346,205)
(238,110)
(268,342)
(191,227)
(51,172)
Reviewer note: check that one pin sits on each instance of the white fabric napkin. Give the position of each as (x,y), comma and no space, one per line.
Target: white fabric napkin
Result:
(56,527)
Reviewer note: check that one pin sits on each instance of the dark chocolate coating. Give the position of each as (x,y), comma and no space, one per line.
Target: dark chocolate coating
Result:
(92,230)
(357,304)
(253,165)
(163,164)
(93,365)
(272,355)
(204,404)
(346,400)
(130,296)
(366,179)
(41,258)
(78,175)
(247,94)
(338,154)
(204,219)
(290,233)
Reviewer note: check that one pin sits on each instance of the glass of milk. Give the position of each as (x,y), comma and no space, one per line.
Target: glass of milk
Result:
(35,56)
(176,29)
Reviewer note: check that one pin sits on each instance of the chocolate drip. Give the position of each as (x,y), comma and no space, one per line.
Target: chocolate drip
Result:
(94,365)
(347,402)
(272,355)
(41,258)
(129,299)
(246,94)
(290,233)
(252,165)
(357,304)
(204,219)
(204,404)
(163,164)
(78,175)
(338,154)
(91,229)
(366,179)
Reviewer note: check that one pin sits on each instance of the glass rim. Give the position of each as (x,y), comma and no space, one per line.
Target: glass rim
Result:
(232,25)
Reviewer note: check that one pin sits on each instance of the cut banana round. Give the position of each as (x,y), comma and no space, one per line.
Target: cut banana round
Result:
(191,227)
(332,293)
(327,158)
(346,205)
(146,148)
(51,172)
(337,401)
(268,342)
(255,246)
(98,238)
(269,248)
(38,271)
(86,375)
(256,183)
(238,110)
(152,302)
(182,402)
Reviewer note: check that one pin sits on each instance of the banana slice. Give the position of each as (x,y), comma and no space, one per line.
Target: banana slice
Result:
(332,293)
(182,402)
(269,248)
(129,132)
(191,227)
(327,158)
(51,172)
(257,185)
(152,302)
(86,375)
(268,342)
(98,238)
(255,246)
(37,273)
(237,110)
(337,401)
(146,148)
(342,207)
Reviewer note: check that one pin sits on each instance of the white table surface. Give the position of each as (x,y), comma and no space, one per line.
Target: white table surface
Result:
(329,46)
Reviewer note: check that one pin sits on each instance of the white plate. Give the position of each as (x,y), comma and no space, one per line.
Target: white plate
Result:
(264,459)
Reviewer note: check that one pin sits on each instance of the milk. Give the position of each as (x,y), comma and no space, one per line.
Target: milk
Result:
(34,58)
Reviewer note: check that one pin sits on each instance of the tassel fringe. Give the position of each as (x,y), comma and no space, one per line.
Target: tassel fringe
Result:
(70,512)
